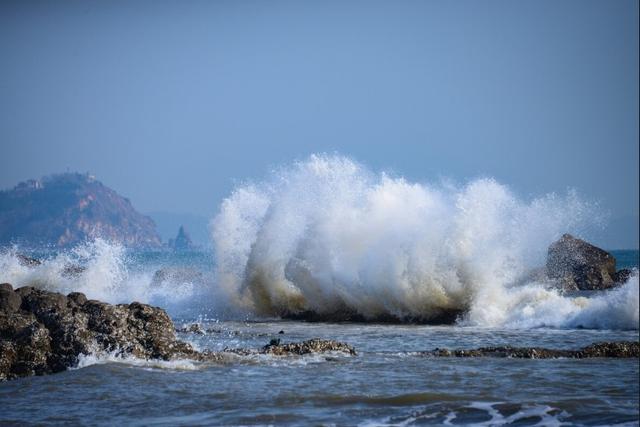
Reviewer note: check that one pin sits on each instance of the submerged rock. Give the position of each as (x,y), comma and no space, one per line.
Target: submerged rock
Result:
(193,328)
(623,349)
(578,265)
(443,316)
(315,345)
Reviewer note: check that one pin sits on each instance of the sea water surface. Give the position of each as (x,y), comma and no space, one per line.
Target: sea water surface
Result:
(388,383)
(327,233)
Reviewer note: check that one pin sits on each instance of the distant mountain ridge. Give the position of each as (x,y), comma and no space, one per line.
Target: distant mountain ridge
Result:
(66,209)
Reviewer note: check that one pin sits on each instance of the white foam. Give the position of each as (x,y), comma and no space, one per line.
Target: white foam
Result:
(99,358)
(105,275)
(327,233)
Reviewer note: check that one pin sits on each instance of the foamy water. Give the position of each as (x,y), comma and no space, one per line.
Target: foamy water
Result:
(327,233)
(109,273)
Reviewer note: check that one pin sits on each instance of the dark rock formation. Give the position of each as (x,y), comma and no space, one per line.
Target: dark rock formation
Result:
(182,242)
(306,347)
(193,328)
(578,265)
(445,316)
(622,276)
(67,209)
(316,345)
(623,349)
(44,332)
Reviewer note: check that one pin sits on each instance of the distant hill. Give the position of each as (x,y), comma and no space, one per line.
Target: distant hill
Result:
(65,209)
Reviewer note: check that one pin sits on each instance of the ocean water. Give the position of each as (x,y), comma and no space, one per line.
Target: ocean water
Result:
(327,234)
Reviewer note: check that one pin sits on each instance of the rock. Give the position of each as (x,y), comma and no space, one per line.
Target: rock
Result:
(620,349)
(193,328)
(44,332)
(77,297)
(443,316)
(316,345)
(306,347)
(623,349)
(578,265)
(622,276)
(182,242)
(9,300)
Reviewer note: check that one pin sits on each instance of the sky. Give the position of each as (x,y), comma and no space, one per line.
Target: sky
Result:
(173,103)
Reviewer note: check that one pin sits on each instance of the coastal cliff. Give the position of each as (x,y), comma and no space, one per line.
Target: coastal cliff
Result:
(67,209)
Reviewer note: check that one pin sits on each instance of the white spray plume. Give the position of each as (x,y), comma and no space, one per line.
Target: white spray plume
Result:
(326,234)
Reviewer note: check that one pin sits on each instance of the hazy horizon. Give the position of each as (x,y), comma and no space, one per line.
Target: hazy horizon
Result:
(174,104)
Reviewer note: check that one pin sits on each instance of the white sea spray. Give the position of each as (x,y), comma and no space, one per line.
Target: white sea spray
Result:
(327,233)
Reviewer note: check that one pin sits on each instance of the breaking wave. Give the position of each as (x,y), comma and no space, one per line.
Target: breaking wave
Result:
(327,235)
(105,271)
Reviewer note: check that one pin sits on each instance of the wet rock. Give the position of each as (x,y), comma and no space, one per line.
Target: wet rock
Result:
(626,349)
(312,346)
(44,332)
(622,276)
(578,265)
(623,349)
(77,297)
(443,316)
(9,300)
(193,328)
(307,347)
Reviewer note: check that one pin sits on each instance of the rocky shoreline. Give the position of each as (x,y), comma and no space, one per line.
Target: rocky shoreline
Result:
(44,332)
(620,350)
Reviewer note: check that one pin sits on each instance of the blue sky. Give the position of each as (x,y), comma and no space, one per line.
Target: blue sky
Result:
(173,102)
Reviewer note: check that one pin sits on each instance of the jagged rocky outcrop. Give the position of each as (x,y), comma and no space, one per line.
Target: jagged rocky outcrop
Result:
(623,349)
(578,265)
(182,242)
(44,332)
(66,209)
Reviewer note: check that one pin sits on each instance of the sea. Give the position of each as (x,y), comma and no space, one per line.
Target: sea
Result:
(328,234)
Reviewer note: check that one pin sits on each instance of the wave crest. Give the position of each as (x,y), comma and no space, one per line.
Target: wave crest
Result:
(327,235)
